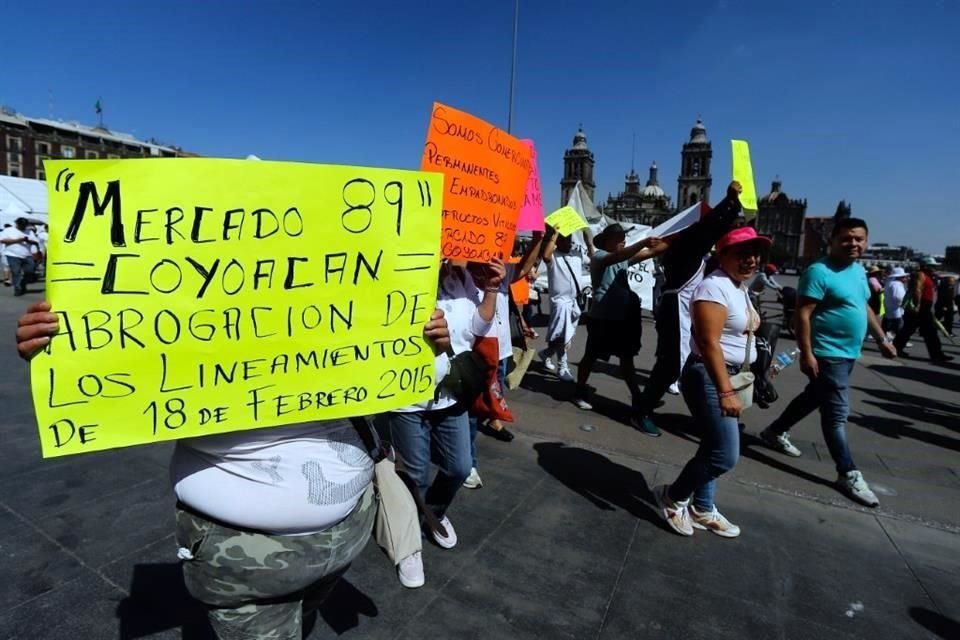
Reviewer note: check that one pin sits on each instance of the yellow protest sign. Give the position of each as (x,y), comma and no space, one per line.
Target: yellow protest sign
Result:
(201,296)
(743,173)
(566,220)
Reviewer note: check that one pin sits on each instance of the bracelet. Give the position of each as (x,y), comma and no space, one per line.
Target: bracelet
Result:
(726,394)
(497,290)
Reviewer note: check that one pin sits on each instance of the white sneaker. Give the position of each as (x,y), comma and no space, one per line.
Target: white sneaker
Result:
(547,362)
(856,488)
(410,571)
(714,522)
(448,541)
(473,480)
(676,514)
(780,443)
(582,404)
(565,375)
(673,389)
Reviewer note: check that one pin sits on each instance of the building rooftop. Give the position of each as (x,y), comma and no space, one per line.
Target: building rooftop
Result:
(11,116)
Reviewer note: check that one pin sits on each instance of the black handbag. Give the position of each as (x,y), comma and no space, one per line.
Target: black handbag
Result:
(467,377)
(764,393)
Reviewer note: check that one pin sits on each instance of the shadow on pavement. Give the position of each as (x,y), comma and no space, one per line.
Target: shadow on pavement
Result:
(897,428)
(341,610)
(598,479)
(942,626)
(539,380)
(749,445)
(945,376)
(159,601)
(919,409)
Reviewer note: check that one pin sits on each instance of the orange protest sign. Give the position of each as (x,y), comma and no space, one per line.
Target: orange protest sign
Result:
(485,180)
(520,290)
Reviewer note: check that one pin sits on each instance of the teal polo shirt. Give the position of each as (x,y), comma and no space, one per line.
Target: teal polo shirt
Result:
(839,321)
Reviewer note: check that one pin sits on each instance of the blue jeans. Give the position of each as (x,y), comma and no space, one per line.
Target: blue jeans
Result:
(20,271)
(719,442)
(829,392)
(442,437)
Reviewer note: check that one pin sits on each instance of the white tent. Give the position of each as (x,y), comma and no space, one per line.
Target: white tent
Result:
(23,198)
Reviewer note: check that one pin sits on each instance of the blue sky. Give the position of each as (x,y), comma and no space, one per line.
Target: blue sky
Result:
(843,99)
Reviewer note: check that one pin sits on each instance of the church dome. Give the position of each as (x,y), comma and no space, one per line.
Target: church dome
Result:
(698,133)
(580,139)
(653,191)
(652,188)
(776,191)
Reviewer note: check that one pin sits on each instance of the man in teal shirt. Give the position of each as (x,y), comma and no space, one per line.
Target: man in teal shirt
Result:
(831,319)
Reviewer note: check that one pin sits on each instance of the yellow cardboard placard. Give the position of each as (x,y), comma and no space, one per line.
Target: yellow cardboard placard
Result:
(743,173)
(566,220)
(201,296)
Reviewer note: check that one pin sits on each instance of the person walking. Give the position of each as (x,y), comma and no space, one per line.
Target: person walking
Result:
(613,322)
(563,279)
(874,274)
(894,292)
(438,430)
(723,322)
(919,314)
(946,302)
(684,262)
(18,250)
(832,317)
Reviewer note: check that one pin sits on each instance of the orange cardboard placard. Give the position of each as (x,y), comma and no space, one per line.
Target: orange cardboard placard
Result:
(485,180)
(520,291)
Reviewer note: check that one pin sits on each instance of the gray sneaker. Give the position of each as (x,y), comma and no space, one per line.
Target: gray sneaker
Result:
(856,488)
(780,442)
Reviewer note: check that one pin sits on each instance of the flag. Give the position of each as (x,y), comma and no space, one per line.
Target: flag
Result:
(98,107)
(679,222)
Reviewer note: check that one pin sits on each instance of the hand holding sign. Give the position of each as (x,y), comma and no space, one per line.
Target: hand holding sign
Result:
(566,220)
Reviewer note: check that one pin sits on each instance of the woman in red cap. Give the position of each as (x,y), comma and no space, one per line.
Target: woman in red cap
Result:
(723,320)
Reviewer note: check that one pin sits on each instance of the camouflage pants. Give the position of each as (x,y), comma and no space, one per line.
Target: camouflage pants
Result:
(255,584)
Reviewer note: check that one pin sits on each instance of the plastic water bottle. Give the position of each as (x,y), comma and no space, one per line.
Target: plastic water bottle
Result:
(783,360)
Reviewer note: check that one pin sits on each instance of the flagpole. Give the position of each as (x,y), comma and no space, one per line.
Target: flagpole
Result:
(513,64)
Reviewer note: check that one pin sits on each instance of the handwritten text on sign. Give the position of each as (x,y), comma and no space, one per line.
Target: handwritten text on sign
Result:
(531,213)
(203,296)
(485,179)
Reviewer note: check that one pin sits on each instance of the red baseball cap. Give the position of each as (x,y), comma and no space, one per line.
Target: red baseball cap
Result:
(742,235)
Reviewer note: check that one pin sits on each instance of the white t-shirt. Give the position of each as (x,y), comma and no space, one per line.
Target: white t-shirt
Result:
(290,480)
(559,276)
(18,250)
(893,295)
(459,300)
(719,288)
(500,327)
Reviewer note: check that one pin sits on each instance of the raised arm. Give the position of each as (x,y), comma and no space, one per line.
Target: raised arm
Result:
(631,252)
(550,244)
(529,258)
